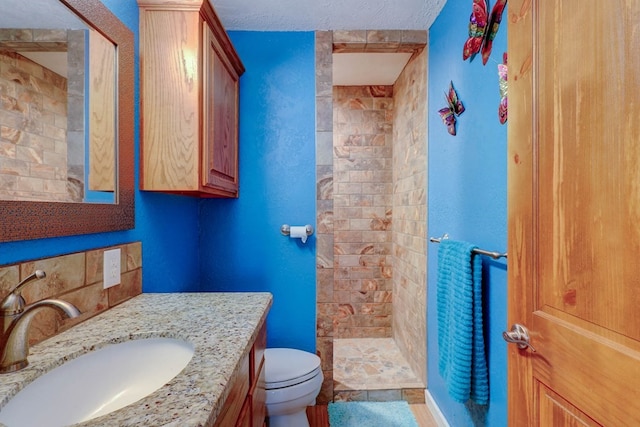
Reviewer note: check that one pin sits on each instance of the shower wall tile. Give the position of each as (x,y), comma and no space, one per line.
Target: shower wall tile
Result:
(379,41)
(410,214)
(325,320)
(350,36)
(324,251)
(415,36)
(324,176)
(324,114)
(351,396)
(324,64)
(385,395)
(325,219)
(363,151)
(324,148)
(36,117)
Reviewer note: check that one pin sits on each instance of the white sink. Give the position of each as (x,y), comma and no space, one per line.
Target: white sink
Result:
(97,383)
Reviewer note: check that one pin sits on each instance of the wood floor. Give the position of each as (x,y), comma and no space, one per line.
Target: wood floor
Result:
(319,417)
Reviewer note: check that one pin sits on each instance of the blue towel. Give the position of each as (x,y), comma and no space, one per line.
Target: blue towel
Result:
(462,360)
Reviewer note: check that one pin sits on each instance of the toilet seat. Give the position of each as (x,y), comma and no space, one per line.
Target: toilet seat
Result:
(286,367)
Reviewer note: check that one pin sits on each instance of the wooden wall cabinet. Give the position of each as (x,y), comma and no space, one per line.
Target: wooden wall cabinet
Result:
(189,96)
(246,404)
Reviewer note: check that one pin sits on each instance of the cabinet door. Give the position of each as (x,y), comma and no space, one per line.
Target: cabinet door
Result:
(259,399)
(236,408)
(220,130)
(244,419)
(258,390)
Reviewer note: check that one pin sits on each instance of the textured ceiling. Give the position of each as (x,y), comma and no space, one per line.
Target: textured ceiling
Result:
(309,15)
(266,15)
(37,14)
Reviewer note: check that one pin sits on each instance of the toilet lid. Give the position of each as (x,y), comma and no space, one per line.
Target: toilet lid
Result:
(285,367)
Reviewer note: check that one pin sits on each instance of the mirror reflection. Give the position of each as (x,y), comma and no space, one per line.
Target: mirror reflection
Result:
(58,126)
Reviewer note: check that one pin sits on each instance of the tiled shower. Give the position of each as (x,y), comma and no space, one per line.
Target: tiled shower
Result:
(371,213)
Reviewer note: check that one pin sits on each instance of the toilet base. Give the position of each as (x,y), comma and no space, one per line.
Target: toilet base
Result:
(298,419)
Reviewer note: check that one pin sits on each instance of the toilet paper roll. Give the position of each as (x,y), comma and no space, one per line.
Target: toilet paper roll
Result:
(298,232)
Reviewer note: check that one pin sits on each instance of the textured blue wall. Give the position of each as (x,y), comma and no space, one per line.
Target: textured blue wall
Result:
(166,225)
(468,195)
(241,247)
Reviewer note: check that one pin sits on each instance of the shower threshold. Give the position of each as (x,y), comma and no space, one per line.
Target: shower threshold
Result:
(373,369)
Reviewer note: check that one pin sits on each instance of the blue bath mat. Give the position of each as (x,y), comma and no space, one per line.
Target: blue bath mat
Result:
(371,414)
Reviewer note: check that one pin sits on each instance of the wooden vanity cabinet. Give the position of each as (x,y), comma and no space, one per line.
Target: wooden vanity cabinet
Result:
(246,404)
(258,387)
(189,96)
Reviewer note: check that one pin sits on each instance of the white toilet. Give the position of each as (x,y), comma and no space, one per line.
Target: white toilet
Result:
(293,380)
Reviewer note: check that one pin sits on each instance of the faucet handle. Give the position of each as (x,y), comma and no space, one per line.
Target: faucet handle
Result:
(14,303)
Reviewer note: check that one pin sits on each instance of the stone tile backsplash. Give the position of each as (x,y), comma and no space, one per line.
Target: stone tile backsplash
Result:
(76,278)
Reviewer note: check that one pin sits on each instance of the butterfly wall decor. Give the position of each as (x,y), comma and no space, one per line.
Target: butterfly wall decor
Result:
(502,80)
(483,29)
(454,108)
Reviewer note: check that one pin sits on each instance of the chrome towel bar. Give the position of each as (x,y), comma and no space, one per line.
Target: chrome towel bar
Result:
(494,255)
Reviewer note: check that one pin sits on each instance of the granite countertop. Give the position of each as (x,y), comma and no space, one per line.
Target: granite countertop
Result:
(221,326)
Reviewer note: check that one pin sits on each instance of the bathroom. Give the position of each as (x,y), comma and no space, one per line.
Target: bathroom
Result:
(186,242)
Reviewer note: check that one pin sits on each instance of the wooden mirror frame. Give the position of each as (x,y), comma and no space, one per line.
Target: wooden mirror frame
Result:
(35,220)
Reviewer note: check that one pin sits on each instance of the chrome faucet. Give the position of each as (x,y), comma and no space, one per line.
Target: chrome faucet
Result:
(16,318)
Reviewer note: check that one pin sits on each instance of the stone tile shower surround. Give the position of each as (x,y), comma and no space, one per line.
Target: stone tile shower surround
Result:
(409,232)
(324,210)
(32,126)
(39,139)
(75,278)
(362,212)
(349,302)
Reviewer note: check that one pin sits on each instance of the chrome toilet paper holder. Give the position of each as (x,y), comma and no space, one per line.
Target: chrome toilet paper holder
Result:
(285,229)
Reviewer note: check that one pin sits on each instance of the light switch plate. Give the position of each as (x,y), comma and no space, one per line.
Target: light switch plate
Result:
(111,268)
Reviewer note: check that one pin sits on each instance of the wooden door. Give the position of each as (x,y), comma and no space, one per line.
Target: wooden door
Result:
(574,211)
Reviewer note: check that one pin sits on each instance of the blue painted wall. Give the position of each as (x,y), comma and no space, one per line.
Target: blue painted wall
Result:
(241,247)
(166,225)
(468,196)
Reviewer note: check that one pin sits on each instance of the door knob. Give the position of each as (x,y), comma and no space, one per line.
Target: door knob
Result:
(518,335)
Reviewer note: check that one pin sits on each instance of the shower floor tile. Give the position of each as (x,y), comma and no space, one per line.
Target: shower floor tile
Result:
(371,364)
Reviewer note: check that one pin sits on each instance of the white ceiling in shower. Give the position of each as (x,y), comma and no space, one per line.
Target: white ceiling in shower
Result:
(356,69)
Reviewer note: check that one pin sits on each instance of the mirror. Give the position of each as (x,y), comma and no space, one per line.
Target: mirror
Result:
(99,54)
(53,148)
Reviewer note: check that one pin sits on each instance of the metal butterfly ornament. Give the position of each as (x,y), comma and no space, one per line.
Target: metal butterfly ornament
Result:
(502,79)
(454,108)
(483,29)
